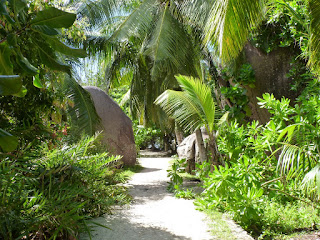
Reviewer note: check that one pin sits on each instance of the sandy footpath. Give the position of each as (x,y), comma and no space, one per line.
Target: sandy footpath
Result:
(155,213)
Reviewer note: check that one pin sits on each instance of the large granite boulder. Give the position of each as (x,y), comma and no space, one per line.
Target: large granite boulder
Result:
(271,75)
(115,125)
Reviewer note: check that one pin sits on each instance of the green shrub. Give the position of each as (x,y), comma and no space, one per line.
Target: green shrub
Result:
(236,190)
(52,196)
(146,136)
(174,175)
(269,168)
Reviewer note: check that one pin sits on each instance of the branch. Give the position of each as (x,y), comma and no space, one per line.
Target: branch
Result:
(17,33)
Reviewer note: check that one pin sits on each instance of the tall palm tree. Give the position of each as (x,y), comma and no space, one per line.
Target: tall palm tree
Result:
(193,108)
(151,43)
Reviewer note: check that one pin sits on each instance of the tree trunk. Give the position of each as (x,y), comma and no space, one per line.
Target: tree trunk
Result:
(191,155)
(200,144)
(213,147)
(179,134)
(166,143)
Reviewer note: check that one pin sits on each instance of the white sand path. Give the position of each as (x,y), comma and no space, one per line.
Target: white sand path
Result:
(155,213)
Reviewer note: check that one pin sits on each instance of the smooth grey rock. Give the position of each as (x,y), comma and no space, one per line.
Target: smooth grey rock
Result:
(188,149)
(115,125)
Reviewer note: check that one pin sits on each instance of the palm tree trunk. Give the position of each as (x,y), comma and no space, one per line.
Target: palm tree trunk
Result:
(166,143)
(179,134)
(213,147)
(200,144)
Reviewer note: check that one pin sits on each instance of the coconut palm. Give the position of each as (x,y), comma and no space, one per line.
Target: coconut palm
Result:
(193,108)
(149,44)
(230,23)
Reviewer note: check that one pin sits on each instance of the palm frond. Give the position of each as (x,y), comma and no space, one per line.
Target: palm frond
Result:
(201,94)
(196,12)
(229,25)
(169,46)
(82,111)
(125,98)
(181,107)
(98,11)
(311,181)
(289,159)
(137,24)
(191,108)
(314,63)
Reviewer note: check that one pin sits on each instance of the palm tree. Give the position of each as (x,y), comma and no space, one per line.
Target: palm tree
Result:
(150,43)
(193,108)
(230,23)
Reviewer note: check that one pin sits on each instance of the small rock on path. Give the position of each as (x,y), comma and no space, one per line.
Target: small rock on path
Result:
(155,213)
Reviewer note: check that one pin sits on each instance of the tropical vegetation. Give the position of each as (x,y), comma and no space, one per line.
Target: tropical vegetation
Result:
(246,72)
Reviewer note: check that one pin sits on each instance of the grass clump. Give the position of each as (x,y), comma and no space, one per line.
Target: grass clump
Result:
(288,218)
(219,227)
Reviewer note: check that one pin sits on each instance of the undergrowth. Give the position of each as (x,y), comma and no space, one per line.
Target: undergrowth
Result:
(50,194)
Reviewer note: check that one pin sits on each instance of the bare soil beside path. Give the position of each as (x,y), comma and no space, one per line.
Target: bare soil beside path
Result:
(155,213)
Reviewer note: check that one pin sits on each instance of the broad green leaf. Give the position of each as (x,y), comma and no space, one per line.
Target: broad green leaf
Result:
(26,65)
(12,39)
(8,142)
(49,58)
(55,18)
(6,67)
(23,91)
(289,131)
(45,29)
(63,48)
(36,82)
(10,84)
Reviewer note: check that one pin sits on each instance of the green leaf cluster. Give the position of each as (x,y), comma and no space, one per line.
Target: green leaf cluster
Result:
(269,166)
(52,194)
(193,107)
(30,44)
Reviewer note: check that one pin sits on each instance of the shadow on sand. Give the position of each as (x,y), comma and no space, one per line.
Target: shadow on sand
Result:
(121,228)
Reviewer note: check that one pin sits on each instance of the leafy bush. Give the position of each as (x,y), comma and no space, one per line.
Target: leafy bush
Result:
(269,167)
(237,190)
(174,175)
(177,174)
(52,196)
(146,136)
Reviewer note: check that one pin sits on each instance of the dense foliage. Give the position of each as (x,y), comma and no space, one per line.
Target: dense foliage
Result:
(267,167)
(50,193)
(52,180)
